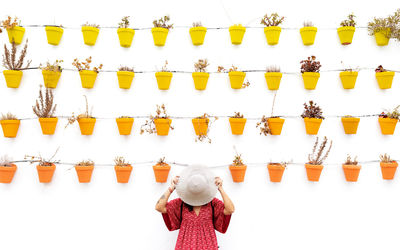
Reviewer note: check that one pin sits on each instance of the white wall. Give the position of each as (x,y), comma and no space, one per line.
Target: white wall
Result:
(294,214)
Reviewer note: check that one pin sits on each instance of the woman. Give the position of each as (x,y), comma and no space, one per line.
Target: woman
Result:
(197,213)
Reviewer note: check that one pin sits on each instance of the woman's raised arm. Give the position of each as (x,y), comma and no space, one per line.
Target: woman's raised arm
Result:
(229,207)
(162,202)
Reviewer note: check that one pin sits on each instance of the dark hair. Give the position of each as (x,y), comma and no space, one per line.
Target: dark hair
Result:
(190,207)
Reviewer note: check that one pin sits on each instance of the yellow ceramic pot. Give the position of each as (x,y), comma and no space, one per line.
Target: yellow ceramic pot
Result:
(382,37)
(51,78)
(88,78)
(237,32)
(159,36)
(310,80)
(197,34)
(13,78)
(273,80)
(90,35)
(308,35)
(272,34)
(16,34)
(125,125)
(125,79)
(348,79)
(163,80)
(236,79)
(54,34)
(312,125)
(200,80)
(346,34)
(388,125)
(350,125)
(125,36)
(48,125)
(384,79)
(86,125)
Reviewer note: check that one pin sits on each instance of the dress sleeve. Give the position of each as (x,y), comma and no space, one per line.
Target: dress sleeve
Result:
(221,221)
(172,217)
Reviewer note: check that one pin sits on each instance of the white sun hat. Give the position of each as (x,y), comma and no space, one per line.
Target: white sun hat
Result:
(196,185)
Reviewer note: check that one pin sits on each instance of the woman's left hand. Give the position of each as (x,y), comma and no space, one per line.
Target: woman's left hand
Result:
(218,182)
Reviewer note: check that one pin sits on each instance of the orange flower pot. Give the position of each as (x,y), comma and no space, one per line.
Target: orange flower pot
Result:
(161,172)
(124,125)
(48,125)
(45,173)
(200,125)
(388,125)
(237,125)
(275,125)
(84,173)
(86,125)
(7,173)
(388,169)
(351,172)
(350,125)
(238,172)
(123,173)
(312,125)
(275,172)
(162,126)
(313,172)
(10,127)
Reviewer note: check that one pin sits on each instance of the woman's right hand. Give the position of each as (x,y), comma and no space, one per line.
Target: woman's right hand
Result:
(174,181)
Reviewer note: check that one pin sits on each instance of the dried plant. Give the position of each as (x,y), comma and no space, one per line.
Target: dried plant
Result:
(349,21)
(273,68)
(237,115)
(283,163)
(233,68)
(149,126)
(205,137)
(349,161)
(87,114)
(8,116)
(126,68)
(312,110)
(87,24)
(264,127)
(45,106)
(10,61)
(56,67)
(317,157)
(86,65)
(238,161)
(41,160)
(85,163)
(6,161)
(310,65)
(161,161)
(124,22)
(349,69)
(163,23)
(273,20)
(386,158)
(197,24)
(201,65)
(9,23)
(120,161)
(165,68)
(380,69)
(385,24)
(308,24)
(394,114)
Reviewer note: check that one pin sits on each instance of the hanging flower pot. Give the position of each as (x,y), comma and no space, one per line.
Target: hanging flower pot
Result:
(350,124)
(275,124)
(346,34)
(308,35)
(84,173)
(237,124)
(200,80)
(86,125)
(54,34)
(45,173)
(88,78)
(125,36)
(162,126)
(10,127)
(163,80)
(7,173)
(90,34)
(122,170)
(384,79)
(272,34)
(273,80)
(124,125)
(310,80)
(237,32)
(200,125)
(238,172)
(125,79)
(13,78)
(313,172)
(16,34)
(159,36)
(236,79)
(351,172)
(312,125)
(197,34)
(314,165)
(159,123)
(310,72)
(388,125)
(348,79)
(50,78)
(388,169)
(161,171)
(382,37)
(312,115)
(275,171)
(48,125)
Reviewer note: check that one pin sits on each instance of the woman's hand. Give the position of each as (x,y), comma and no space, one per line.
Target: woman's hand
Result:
(218,182)
(174,181)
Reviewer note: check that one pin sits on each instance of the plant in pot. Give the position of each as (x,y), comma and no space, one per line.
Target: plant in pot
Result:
(123,169)
(44,109)
(347,29)
(45,167)
(51,73)
(159,123)
(125,34)
(272,30)
(160,30)
(85,120)
(275,170)
(90,32)
(197,33)
(236,32)
(348,77)
(88,75)
(84,170)
(310,72)
(384,27)
(161,170)
(14,65)
(388,121)
(164,77)
(200,76)
(237,122)
(350,124)
(201,125)
(388,167)
(125,124)
(308,33)
(316,158)
(351,169)
(273,77)
(125,76)
(312,116)
(54,34)
(7,169)
(271,125)
(14,30)
(238,168)
(10,124)
(384,77)
(236,77)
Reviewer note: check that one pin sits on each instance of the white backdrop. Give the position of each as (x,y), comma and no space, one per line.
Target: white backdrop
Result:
(294,214)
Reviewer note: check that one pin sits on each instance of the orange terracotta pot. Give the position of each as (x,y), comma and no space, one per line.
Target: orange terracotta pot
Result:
(161,172)
(84,173)
(123,173)
(237,125)
(10,128)
(125,125)
(313,172)
(238,172)
(48,125)
(45,173)
(388,125)
(86,125)
(350,125)
(275,172)
(162,126)
(312,125)
(200,125)
(7,173)
(351,172)
(275,125)
(388,169)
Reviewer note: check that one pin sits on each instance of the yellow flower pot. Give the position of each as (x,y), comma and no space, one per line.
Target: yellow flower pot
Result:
(162,126)
(10,128)
(272,34)
(308,35)
(125,79)
(348,79)
(237,32)
(312,125)
(125,36)
(350,125)
(200,80)
(346,34)
(16,34)
(13,78)
(310,80)
(86,125)
(382,37)
(125,125)
(90,35)
(51,78)
(388,125)
(273,80)
(54,34)
(275,125)
(163,80)
(197,34)
(236,79)
(159,36)
(48,125)
(200,125)
(237,125)
(384,79)
(88,78)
